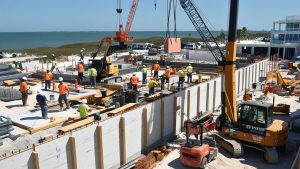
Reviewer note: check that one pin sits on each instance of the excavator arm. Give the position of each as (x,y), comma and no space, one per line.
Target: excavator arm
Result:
(108,42)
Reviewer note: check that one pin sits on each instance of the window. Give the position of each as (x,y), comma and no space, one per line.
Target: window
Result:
(295,37)
(253,115)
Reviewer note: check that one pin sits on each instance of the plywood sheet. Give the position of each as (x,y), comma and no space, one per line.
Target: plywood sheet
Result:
(134,132)
(111,142)
(19,161)
(154,122)
(86,147)
(55,154)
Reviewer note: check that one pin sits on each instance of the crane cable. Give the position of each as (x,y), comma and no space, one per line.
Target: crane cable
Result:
(170,4)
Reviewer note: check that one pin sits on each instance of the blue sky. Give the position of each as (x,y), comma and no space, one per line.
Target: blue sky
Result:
(100,15)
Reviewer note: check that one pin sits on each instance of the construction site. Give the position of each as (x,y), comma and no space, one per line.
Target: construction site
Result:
(103,109)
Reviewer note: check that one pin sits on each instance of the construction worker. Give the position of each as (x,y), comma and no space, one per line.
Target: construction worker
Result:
(80,69)
(189,74)
(156,68)
(48,77)
(162,81)
(151,85)
(181,75)
(168,74)
(134,80)
(24,90)
(42,101)
(63,91)
(54,63)
(82,54)
(83,109)
(92,73)
(144,73)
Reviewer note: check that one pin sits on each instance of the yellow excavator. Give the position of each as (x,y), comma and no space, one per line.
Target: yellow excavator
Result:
(249,123)
(104,65)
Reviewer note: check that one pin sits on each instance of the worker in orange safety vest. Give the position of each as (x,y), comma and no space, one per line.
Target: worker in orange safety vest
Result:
(48,77)
(63,91)
(156,68)
(134,80)
(24,90)
(80,72)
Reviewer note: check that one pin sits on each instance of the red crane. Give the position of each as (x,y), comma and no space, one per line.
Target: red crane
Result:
(123,36)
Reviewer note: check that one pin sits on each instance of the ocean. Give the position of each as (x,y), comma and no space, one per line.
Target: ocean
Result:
(23,40)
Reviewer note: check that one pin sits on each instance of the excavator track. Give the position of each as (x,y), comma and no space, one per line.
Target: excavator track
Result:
(232,146)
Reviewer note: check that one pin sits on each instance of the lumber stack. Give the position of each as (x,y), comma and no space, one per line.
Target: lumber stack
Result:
(75,125)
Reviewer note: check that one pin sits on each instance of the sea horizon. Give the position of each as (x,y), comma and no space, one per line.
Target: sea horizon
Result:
(25,40)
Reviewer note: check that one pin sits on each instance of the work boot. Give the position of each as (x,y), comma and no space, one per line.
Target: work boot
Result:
(61,109)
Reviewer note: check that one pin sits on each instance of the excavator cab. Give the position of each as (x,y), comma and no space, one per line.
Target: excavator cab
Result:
(255,117)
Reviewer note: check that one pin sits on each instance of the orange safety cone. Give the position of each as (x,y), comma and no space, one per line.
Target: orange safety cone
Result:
(76,84)
(53,84)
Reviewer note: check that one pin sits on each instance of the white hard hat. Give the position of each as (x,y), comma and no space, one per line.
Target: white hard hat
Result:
(134,74)
(53,55)
(168,66)
(60,79)
(48,68)
(189,64)
(84,101)
(81,50)
(24,78)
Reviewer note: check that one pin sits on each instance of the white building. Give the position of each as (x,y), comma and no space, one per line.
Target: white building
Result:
(285,40)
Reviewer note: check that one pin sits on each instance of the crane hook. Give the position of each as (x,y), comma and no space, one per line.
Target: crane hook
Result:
(155,4)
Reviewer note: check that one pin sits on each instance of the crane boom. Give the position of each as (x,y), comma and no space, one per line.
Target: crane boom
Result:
(225,65)
(131,15)
(193,13)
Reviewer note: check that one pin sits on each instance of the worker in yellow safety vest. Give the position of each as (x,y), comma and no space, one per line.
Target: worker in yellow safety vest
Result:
(151,85)
(83,109)
(189,70)
(92,73)
(181,75)
(144,73)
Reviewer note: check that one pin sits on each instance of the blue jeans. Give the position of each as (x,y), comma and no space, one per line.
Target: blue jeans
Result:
(181,81)
(151,91)
(92,80)
(44,110)
(63,98)
(144,78)
(189,76)
(47,84)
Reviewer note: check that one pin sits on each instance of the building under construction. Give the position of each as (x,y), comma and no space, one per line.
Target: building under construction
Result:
(230,112)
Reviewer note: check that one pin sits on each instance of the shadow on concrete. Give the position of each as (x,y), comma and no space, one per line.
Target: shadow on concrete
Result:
(13,106)
(32,118)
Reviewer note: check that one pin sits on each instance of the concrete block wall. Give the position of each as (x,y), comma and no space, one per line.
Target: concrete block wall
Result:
(118,140)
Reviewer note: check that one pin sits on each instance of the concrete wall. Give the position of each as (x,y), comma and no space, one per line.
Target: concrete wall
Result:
(118,140)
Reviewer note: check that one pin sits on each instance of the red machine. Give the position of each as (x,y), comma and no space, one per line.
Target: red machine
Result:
(197,153)
(123,36)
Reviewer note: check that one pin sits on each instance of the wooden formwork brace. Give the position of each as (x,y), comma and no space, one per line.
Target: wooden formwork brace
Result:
(73,152)
(214,96)
(162,111)
(145,130)
(100,147)
(122,141)
(246,78)
(198,101)
(239,81)
(175,114)
(255,73)
(207,97)
(252,78)
(188,104)
(35,158)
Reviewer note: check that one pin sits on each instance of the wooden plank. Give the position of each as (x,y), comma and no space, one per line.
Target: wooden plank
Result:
(122,141)
(35,158)
(73,152)
(76,125)
(188,104)
(162,127)
(145,130)
(100,147)
(121,109)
